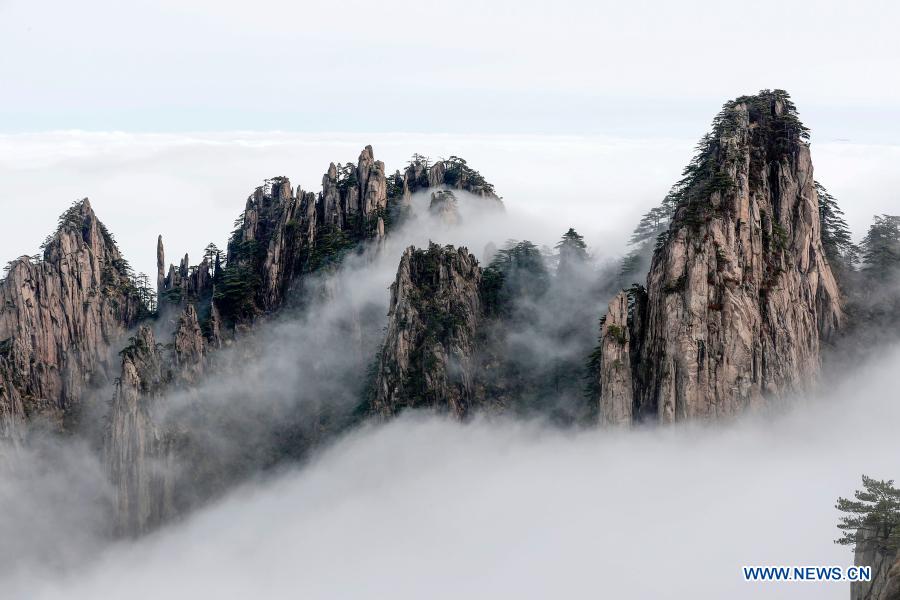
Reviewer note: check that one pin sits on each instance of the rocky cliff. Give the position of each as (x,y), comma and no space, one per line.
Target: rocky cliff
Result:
(451,174)
(139,453)
(444,206)
(739,291)
(872,551)
(282,235)
(427,359)
(65,315)
(184,283)
(615,378)
(60,314)
(141,445)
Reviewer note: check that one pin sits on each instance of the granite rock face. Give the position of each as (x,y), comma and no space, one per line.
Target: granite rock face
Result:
(140,453)
(184,283)
(283,234)
(444,206)
(885,581)
(616,398)
(65,315)
(891,589)
(451,174)
(60,315)
(142,446)
(739,291)
(189,347)
(427,359)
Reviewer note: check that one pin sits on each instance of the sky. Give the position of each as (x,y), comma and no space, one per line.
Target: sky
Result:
(168,113)
(507,66)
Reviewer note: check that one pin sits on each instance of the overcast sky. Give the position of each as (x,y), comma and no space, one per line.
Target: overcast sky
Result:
(573,66)
(565,105)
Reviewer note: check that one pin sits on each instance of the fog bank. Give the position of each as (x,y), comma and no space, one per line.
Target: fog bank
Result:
(426,508)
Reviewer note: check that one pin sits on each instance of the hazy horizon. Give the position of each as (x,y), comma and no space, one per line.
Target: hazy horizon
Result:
(573,66)
(190,187)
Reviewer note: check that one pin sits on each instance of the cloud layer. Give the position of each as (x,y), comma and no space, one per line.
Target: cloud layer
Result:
(424,507)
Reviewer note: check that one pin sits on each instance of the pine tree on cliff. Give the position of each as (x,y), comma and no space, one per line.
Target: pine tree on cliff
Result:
(211,252)
(872,517)
(881,248)
(836,237)
(645,237)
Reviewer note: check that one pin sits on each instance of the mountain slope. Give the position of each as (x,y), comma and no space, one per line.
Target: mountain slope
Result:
(60,316)
(739,291)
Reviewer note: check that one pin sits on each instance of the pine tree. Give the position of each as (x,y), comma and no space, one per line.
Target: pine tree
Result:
(517,271)
(881,247)
(210,253)
(654,221)
(572,242)
(645,237)
(572,252)
(874,513)
(146,294)
(836,238)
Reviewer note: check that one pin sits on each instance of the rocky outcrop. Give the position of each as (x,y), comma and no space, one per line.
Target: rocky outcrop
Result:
(453,173)
(141,446)
(12,409)
(427,359)
(739,291)
(615,385)
(184,283)
(353,197)
(891,590)
(160,268)
(372,187)
(884,584)
(444,206)
(189,348)
(139,453)
(59,316)
(283,234)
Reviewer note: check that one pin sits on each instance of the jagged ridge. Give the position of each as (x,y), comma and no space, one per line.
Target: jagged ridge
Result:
(59,317)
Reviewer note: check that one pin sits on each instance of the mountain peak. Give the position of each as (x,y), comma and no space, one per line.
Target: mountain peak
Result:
(739,291)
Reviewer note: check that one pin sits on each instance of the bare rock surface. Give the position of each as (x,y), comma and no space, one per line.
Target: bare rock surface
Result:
(141,445)
(140,453)
(60,315)
(616,395)
(428,353)
(444,206)
(739,292)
